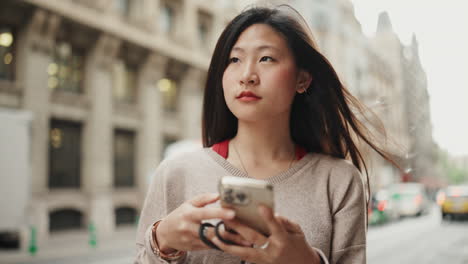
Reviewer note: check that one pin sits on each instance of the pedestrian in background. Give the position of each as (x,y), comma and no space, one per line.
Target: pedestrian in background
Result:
(275,110)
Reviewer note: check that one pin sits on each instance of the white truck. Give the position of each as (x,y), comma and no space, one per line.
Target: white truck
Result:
(15,175)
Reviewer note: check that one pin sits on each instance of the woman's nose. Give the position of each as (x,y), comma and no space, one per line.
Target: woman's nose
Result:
(249,76)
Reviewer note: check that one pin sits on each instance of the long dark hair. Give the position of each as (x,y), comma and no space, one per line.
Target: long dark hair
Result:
(323,119)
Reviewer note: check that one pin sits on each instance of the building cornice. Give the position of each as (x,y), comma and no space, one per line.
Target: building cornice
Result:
(123,30)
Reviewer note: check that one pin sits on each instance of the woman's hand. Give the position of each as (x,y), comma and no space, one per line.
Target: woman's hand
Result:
(286,244)
(179,230)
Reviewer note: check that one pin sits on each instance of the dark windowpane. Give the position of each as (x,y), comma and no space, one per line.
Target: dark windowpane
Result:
(125,216)
(124,161)
(64,154)
(66,219)
(7,53)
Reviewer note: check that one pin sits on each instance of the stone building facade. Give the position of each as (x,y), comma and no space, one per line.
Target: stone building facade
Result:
(109,83)
(420,159)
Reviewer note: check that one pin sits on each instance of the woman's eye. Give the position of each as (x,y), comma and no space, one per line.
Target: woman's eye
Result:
(266,58)
(233,60)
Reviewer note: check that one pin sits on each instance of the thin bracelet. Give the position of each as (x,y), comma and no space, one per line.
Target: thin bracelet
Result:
(157,251)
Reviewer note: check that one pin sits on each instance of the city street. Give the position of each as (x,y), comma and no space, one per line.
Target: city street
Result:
(424,239)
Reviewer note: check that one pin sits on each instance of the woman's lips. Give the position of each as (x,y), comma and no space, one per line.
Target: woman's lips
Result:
(248,97)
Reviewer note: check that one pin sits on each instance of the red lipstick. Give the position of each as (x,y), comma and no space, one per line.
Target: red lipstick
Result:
(248,96)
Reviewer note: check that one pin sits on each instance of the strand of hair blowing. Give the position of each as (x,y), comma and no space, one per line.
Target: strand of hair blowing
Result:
(322,120)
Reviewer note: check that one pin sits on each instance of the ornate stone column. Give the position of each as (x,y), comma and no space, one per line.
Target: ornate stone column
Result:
(98,134)
(35,43)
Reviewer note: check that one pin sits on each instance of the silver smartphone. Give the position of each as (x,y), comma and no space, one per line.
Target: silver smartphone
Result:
(243,195)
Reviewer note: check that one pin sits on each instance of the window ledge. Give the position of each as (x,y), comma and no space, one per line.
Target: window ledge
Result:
(10,87)
(69,98)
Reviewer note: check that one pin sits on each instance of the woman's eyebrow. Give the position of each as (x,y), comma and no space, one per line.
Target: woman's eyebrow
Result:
(259,48)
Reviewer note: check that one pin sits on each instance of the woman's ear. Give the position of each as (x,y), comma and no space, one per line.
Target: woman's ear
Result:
(303,81)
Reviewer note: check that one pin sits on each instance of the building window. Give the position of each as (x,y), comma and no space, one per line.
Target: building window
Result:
(65,219)
(169,91)
(64,154)
(124,158)
(66,70)
(125,216)
(166,21)
(122,7)
(204,26)
(125,82)
(7,54)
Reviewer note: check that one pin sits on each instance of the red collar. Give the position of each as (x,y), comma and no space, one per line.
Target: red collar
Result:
(222,149)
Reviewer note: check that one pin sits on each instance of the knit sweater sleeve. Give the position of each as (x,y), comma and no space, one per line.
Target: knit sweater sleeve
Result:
(155,207)
(348,243)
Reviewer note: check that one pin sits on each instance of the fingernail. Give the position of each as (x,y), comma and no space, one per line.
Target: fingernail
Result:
(246,243)
(230,214)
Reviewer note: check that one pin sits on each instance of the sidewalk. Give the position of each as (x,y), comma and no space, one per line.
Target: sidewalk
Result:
(74,245)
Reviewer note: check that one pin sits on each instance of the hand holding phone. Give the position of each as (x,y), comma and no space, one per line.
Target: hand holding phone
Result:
(244,195)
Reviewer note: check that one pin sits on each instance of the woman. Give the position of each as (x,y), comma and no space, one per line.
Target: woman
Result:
(274,109)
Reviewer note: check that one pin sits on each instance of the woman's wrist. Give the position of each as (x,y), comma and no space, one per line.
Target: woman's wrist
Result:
(166,252)
(161,242)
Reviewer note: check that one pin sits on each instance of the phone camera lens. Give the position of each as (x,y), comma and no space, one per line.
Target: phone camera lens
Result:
(228,197)
(241,197)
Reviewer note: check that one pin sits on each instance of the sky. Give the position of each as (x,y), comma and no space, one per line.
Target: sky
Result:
(441,28)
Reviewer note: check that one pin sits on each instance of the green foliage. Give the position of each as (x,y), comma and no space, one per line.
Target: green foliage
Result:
(454,174)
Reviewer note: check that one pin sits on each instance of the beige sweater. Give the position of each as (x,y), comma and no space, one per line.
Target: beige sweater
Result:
(324,195)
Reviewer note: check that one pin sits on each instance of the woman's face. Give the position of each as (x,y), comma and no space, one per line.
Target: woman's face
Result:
(261,78)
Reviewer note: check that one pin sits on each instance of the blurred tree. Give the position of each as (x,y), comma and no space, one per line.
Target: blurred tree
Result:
(454,174)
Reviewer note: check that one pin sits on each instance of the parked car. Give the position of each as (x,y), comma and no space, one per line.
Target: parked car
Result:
(410,199)
(382,208)
(453,201)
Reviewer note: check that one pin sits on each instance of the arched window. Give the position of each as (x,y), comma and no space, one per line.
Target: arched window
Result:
(125,216)
(65,219)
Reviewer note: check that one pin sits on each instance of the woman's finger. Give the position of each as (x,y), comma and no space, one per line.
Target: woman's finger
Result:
(247,233)
(273,225)
(211,213)
(235,238)
(245,253)
(204,199)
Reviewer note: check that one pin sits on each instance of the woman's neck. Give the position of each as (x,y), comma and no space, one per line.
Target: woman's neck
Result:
(264,141)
